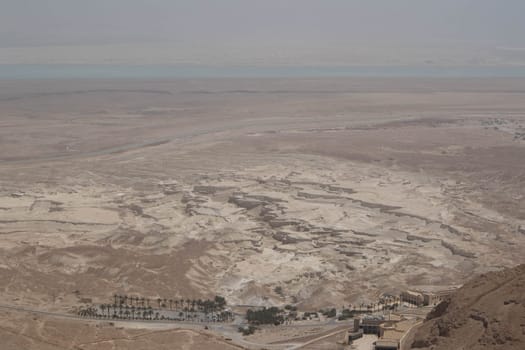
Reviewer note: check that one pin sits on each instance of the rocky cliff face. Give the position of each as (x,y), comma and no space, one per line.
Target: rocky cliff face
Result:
(487,313)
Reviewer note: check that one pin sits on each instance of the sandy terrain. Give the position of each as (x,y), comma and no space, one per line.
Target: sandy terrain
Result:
(334,190)
(19,331)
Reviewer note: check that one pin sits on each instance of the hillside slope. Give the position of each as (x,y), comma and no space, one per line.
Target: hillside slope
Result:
(487,313)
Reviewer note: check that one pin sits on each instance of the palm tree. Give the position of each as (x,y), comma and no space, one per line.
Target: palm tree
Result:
(159,300)
(103,307)
(205,307)
(213,306)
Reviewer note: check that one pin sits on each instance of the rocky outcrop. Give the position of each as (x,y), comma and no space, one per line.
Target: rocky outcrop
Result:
(418,238)
(486,313)
(210,190)
(307,195)
(457,250)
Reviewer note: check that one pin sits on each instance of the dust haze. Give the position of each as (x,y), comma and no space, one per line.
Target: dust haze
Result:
(279,205)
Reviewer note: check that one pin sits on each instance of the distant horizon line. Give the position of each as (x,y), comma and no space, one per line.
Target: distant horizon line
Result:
(25,71)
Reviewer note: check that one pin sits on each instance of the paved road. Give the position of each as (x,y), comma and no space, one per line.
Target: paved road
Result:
(331,334)
(404,342)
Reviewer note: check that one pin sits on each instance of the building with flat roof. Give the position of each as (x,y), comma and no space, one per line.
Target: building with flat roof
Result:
(391,333)
(355,333)
(371,324)
(386,344)
(426,295)
(413,297)
(431,299)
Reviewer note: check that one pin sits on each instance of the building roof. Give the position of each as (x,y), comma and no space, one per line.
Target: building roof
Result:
(392,335)
(412,292)
(395,317)
(387,342)
(397,331)
(373,318)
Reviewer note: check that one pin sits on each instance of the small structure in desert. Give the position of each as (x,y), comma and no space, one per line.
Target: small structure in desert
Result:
(392,332)
(425,297)
(386,344)
(353,334)
(371,324)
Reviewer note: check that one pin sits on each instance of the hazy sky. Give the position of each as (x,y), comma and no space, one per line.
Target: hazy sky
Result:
(291,25)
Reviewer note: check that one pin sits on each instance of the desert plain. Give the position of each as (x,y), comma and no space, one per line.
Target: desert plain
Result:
(311,192)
